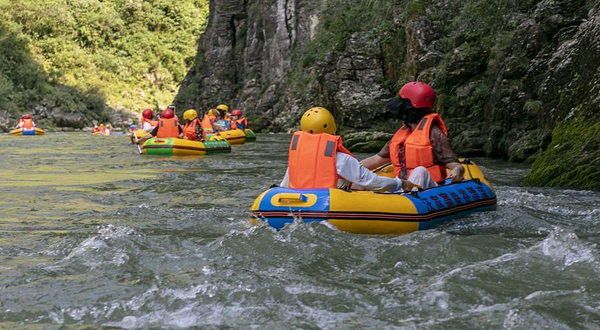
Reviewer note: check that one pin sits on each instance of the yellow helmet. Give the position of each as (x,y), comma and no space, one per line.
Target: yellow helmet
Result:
(223,107)
(190,114)
(107,125)
(318,120)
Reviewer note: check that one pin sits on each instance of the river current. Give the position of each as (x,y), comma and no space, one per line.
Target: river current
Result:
(93,235)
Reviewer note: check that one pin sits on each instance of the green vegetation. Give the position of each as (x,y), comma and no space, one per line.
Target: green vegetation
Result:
(131,53)
(572,159)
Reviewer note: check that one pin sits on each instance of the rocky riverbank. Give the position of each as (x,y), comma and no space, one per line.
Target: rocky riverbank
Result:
(517,80)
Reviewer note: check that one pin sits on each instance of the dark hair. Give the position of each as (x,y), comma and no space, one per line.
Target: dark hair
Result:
(403,110)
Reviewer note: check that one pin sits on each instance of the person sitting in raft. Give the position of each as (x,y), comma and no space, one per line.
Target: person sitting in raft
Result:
(148,124)
(192,130)
(95,130)
(107,130)
(237,121)
(101,129)
(420,150)
(221,120)
(219,124)
(317,159)
(19,124)
(25,122)
(168,127)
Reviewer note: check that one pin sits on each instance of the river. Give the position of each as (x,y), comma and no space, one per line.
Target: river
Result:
(93,234)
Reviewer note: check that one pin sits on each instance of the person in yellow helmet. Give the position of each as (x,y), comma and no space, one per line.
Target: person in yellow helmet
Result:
(318,159)
(192,130)
(107,130)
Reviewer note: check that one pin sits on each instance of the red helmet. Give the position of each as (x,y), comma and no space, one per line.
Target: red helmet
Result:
(148,114)
(167,113)
(27,117)
(236,112)
(420,94)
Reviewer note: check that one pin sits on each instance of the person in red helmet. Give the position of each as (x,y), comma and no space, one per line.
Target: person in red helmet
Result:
(420,150)
(168,127)
(148,124)
(25,122)
(237,121)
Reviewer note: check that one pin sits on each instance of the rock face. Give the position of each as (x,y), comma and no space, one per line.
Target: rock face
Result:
(508,73)
(245,55)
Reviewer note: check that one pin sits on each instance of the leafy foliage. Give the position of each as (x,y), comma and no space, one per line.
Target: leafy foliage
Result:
(133,53)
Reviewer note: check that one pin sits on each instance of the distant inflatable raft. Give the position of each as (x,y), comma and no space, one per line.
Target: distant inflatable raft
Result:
(233,136)
(367,212)
(182,147)
(27,131)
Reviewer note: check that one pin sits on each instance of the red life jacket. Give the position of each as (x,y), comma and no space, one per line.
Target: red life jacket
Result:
(167,128)
(28,123)
(207,127)
(189,130)
(242,122)
(418,150)
(311,160)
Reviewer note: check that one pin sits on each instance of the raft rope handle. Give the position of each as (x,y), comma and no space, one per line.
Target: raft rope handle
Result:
(467,161)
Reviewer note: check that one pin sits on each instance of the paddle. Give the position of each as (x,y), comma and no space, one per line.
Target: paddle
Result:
(136,140)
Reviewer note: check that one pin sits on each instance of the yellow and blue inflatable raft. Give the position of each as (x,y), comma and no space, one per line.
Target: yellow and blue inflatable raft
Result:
(27,131)
(368,212)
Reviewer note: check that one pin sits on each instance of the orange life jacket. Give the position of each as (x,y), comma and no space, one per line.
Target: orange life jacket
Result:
(418,150)
(167,128)
(311,160)
(207,127)
(189,130)
(95,130)
(149,121)
(28,123)
(241,123)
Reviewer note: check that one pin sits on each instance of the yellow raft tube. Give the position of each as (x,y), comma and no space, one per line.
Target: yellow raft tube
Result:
(233,136)
(27,131)
(183,147)
(368,212)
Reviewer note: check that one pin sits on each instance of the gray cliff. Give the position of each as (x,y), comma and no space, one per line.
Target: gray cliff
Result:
(513,77)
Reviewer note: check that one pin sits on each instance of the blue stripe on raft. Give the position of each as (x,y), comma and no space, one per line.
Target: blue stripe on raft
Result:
(28,132)
(448,196)
(279,223)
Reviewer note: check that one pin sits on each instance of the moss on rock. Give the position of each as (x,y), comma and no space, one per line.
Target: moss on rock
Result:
(572,159)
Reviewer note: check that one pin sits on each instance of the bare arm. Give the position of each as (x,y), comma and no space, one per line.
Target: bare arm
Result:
(144,138)
(457,171)
(374,162)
